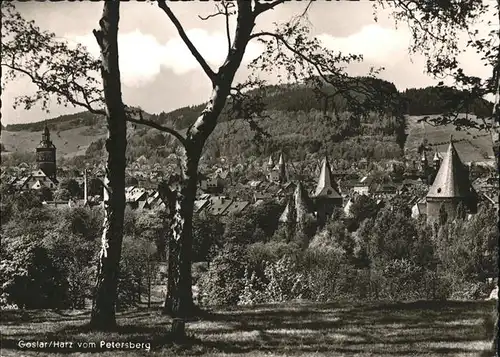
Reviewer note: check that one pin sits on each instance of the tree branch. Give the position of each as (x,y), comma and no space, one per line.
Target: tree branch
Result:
(227,14)
(223,9)
(209,72)
(53,89)
(159,127)
(263,7)
(288,46)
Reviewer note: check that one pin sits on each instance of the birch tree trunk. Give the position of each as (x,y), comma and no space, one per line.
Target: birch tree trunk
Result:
(103,309)
(179,297)
(496,129)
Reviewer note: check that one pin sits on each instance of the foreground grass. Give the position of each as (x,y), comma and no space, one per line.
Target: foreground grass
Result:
(299,329)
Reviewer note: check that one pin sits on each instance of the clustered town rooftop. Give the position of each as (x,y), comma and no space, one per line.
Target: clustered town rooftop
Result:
(449,186)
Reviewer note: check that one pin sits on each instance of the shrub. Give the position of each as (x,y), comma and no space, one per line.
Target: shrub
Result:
(285,281)
(402,279)
(29,278)
(138,268)
(253,290)
(74,256)
(223,282)
(331,277)
(259,254)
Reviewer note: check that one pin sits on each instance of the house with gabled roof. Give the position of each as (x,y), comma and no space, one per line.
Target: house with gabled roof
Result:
(141,205)
(236,207)
(200,205)
(218,206)
(363,186)
(134,196)
(38,185)
(214,184)
(254,184)
(36,180)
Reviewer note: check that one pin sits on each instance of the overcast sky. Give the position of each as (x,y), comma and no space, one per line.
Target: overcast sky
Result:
(159,73)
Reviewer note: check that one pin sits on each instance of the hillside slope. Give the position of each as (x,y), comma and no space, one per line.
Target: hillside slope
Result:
(69,143)
(472,144)
(296,125)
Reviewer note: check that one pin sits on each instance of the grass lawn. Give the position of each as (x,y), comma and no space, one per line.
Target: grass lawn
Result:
(334,329)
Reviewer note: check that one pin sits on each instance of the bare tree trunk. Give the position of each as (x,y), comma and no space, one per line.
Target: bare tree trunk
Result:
(103,309)
(179,299)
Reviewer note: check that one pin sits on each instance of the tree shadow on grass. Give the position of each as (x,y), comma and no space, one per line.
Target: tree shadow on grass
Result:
(436,328)
(401,328)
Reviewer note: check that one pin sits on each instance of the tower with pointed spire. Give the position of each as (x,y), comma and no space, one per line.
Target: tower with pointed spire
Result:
(281,168)
(436,160)
(327,194)
(46,154)
(270,163)
(278,172)
(451,187)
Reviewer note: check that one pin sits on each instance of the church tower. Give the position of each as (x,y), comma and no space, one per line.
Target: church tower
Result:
(451,187)
(46,155)
(326,196)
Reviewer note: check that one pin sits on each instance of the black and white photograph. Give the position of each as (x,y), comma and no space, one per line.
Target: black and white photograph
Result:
(249,178)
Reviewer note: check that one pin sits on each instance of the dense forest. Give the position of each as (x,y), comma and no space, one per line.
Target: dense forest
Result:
(440,100)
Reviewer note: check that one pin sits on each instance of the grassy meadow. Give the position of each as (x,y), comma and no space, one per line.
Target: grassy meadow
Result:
(424,328)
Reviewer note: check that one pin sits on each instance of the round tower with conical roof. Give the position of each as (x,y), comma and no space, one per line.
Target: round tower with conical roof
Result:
(451,187)
(46,154)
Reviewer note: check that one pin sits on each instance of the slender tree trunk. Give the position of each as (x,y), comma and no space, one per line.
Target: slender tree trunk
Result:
(149,284)
(103,309)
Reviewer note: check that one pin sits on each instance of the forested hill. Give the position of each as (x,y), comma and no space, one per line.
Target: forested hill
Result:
(287,98)
(295,122)
(439,100)
(295,98)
